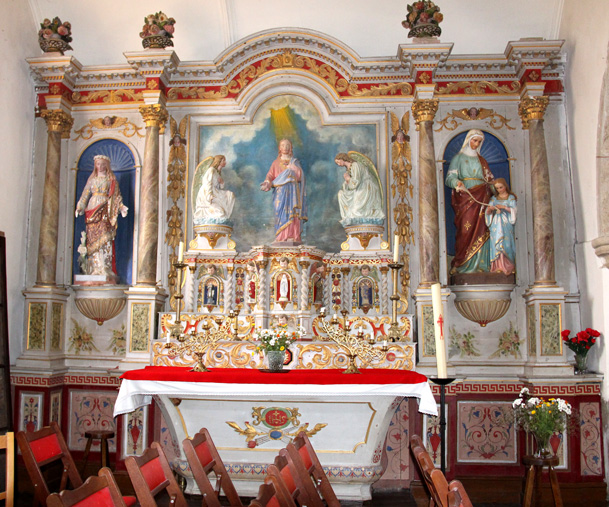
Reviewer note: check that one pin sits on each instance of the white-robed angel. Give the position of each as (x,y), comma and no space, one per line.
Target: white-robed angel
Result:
(361,196)
(212,201)
(500,216)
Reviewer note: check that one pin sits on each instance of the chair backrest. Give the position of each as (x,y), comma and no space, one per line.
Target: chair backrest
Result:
(8,442)
(203,459)
(301,448)
(41,448)
(434,479)
(296,479)
(457,496)
(273,493)
(98,490)
(151,474)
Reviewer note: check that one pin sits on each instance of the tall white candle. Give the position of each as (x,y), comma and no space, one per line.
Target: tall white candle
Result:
(438,318)
(396,248)
(181,252)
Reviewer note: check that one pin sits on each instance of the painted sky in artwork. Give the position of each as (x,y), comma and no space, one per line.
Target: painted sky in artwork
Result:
(250,149)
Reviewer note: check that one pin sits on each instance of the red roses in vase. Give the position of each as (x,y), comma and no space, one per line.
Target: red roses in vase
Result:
(580,344)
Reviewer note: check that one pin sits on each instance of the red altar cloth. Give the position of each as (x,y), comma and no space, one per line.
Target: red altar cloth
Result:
(253,376)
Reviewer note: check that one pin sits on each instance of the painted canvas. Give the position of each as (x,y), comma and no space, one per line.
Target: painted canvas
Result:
(251,148)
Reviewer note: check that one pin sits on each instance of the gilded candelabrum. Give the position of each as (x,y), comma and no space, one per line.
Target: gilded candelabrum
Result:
(213,330)
(394,333)
(354,344)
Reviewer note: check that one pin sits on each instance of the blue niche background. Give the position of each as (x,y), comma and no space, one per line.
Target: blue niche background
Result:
(494,153)
(251,148)
(123,166)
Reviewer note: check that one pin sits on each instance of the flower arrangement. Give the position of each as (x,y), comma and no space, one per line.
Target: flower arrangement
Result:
(276,338)
(55,30)
(582,341)
(423,19)
(540,417)
(158,24)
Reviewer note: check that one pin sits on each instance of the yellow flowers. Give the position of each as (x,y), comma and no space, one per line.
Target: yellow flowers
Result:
(533,411)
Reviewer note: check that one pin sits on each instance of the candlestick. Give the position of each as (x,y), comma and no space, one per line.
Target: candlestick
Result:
(438,317)
(181,252)
(396,248)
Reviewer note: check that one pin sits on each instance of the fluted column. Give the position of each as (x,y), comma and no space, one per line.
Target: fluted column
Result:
(155,117)
(531,110)
(58,124)
(423,111)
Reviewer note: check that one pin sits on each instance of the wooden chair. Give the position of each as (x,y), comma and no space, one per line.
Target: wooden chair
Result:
(151,475)
(434,479)
(301,448)
(273,493)
(457,497)
(296,479)
(8,442)
(98,491)
(44,447)
(203,459)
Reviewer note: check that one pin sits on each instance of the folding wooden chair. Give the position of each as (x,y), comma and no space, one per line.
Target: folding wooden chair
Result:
(8,442)
(434,479)
(151,475)
(98,490)
(457,496)
(296,479)
(272,493)
(301,448)
(203,459)
(41,448)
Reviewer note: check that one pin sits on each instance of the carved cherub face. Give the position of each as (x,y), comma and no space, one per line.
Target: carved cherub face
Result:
(211,270)
(283,262)
(365,270)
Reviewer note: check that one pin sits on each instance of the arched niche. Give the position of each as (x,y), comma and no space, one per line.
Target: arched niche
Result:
(123,165)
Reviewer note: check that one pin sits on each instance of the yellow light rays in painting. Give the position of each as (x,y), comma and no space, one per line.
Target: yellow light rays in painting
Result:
(283,125)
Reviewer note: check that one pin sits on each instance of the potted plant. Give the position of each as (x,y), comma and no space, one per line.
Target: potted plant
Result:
(55,36)
(274,342)
(423,19)
(157,31)
(580,344)
(543,418)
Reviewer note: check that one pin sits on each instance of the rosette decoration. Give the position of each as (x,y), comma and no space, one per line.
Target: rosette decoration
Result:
(157,31)
(55,36)
(423,19)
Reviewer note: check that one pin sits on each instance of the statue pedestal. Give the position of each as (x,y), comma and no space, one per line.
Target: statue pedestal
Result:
(214,236)
(364,237)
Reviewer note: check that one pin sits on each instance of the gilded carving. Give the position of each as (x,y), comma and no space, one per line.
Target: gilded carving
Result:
(374,91)
(108,96)
(532,108)
(123,125)
(154,115)
(495,121)
(57,121)
(424,110)
(195,92)
(479,87)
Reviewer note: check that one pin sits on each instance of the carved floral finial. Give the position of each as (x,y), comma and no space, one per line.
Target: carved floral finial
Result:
(55,36)
(423,19)
(158,30)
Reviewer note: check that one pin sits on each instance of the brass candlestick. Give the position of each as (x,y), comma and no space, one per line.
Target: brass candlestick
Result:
(175,331)
(394,329)
(354,344)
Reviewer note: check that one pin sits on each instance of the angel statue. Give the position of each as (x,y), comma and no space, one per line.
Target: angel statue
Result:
(361,197)
(213,204)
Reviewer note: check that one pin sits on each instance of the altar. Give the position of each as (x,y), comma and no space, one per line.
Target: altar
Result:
(252,414)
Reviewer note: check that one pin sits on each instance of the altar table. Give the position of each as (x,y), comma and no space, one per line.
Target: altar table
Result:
(252,414)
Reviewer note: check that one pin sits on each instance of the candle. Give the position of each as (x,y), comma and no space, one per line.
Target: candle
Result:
(181,252)
(438,317)
(384,343)
(396,248)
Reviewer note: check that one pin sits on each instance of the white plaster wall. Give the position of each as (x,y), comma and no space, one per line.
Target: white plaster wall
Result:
(18,40)
(587,38)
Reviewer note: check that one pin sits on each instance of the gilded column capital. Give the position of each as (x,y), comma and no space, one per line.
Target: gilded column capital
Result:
(154,115)
(58,121)
(532,108)
(424,110)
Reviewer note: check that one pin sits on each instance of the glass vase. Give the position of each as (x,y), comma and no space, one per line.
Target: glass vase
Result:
(581,363)
(275,359)
(542,444)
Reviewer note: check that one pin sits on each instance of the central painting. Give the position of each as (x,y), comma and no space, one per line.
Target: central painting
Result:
(250,149)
